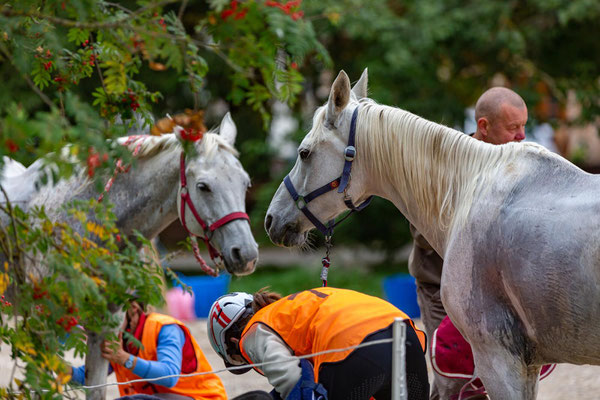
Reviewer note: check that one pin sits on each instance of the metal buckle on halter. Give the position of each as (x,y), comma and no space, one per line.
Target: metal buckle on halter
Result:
(300,202)
(184,190)
(350,153)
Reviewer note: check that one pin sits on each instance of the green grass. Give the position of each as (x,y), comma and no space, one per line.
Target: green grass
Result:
(293,279)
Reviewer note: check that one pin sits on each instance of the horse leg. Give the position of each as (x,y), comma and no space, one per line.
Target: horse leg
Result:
(444,388)
(505,376)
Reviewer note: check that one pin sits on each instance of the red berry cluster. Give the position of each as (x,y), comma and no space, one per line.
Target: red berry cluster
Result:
(288,8)
(39,293)
(94,161)
(92,58)
(11,145)
(4,302)
(233,10)
(47,64)
(191,134)
(132,99)
(67,322)
(70,320)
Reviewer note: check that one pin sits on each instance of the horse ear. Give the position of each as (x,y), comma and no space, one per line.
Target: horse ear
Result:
(360,87)
(228,130)
(338,99)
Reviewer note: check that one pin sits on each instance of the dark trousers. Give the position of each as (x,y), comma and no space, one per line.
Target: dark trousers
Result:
(367,371)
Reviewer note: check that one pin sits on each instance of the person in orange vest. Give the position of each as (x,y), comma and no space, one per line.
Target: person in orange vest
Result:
(168,348)
(265,328)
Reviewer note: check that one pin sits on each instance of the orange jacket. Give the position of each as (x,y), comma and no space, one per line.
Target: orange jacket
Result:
(326,318)
(198,387)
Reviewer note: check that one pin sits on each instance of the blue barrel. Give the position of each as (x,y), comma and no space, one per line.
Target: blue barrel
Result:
(206,290)
(401,291)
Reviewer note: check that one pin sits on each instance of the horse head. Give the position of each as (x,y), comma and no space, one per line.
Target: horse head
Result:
(322,156)
(216,184)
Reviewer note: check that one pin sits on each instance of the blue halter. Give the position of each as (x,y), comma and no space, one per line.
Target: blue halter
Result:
(340,183)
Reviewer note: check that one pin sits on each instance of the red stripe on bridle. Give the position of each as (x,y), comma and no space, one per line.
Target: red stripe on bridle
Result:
(208,229)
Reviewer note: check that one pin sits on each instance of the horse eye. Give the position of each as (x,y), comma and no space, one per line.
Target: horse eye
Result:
(304,154)
(203,187)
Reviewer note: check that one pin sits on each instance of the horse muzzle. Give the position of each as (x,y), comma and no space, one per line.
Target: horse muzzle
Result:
(284,234)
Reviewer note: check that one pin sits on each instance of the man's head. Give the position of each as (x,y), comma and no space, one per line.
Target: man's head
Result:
(501,115)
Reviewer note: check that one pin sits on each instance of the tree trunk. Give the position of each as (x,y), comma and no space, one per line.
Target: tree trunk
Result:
(96,368)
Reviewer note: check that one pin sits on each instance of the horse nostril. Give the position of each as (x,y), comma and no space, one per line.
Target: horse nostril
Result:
(268,222)
(236,254)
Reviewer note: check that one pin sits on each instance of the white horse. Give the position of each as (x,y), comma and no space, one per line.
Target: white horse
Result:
(518,228)
(148,197)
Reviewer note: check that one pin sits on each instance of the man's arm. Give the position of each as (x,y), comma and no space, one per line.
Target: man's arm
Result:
(78,374)
(169,354)
(263,345)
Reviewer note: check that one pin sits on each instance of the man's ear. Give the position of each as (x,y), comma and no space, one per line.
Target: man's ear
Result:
(338,99)
(483,126)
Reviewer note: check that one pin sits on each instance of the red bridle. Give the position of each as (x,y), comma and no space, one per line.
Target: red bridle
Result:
(208,229)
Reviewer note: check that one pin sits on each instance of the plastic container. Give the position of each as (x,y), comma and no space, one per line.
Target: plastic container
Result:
(401,291)
(206,290)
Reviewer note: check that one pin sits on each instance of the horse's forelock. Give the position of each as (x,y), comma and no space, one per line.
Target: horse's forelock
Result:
(148,145)
(210,144)
(318,132)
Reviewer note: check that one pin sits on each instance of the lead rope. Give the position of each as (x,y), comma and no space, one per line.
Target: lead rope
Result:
(326,261)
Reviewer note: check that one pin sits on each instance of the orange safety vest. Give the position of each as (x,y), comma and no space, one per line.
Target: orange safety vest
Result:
(326,318)
(198,387)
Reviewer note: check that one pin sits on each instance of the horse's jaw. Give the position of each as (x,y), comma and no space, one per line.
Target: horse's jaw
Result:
(288,237)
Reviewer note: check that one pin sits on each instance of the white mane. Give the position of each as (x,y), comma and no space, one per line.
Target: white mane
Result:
(149,145)
(442,168)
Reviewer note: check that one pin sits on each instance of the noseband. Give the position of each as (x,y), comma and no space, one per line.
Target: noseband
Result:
(208,229)
(341,183)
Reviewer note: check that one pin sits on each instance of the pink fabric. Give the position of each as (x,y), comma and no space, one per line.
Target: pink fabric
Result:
(451,355)
(180,304)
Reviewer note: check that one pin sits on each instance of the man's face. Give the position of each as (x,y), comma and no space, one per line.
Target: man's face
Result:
(133,315)
(507,126)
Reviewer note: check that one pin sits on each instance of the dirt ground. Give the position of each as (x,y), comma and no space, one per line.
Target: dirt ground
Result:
(566,382)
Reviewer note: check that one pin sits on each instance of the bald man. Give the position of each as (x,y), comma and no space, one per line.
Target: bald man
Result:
(501,115)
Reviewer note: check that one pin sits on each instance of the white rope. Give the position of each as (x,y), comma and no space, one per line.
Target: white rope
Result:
(372,343)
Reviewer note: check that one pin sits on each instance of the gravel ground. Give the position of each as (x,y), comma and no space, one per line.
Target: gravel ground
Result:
(566,382)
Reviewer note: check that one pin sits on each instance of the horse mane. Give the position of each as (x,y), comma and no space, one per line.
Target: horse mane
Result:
(442,168)
(144,146)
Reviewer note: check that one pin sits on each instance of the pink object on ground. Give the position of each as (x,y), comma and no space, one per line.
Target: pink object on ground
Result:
(451,356)
(180,304)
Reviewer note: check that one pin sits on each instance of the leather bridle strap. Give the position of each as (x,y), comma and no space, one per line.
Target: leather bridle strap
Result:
(208,229)
(340,183)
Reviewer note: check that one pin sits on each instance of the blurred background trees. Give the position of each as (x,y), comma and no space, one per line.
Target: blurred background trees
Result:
(431,58)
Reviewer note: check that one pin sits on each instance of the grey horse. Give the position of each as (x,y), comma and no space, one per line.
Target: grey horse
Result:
(518,228)
(147,199)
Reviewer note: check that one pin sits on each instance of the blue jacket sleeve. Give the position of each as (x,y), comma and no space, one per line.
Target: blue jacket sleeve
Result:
(169,354)
(79,374)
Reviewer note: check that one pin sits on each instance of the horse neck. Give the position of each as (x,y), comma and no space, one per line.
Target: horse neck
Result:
(429,171)
(145,198)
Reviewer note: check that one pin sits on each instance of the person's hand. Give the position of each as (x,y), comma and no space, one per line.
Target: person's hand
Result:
(113,351)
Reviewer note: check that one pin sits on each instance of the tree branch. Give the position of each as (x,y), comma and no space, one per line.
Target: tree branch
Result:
(44,98)
(84,25)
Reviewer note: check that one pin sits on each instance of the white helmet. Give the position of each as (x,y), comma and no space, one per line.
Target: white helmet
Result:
(223,314)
